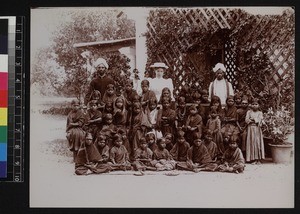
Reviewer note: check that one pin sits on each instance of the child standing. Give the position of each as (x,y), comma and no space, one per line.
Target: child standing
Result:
(214,125)
(166,118)
(75,132)
(232,160)
(147,94)
(193,124)
(181,113)
(108,109)
(254,144)
(94,121)
(129,93)
(109,95)
(229,125)
(152,112)
(216,102)
(120,113)
(241,123)
(137,129)
(108,129)
(165,95)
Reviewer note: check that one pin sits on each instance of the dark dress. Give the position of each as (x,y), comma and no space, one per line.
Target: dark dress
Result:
(166,125)
(179,151)
(198,158)
(75,135)
(234,159)
(99,84)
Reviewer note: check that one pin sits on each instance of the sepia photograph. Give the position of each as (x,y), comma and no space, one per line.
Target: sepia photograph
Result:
(162,107)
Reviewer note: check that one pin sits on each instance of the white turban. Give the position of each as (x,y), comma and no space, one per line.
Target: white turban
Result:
(101,61)
(219,66)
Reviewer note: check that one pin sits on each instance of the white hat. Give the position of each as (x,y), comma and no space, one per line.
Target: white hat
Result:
(159,65)
(219,66)
(101,61)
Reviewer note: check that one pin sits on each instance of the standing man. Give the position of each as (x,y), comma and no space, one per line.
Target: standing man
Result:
(101,81)
(220,86)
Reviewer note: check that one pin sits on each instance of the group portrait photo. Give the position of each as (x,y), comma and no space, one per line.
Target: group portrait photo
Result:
(172,107)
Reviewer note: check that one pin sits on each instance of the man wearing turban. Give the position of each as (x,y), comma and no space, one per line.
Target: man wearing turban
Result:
(220,86)
(101,81)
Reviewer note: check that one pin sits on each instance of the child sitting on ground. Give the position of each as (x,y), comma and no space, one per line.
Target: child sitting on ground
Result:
(232,160)
(162,158)
(179,150)
(198,158)
(143,157)
(87,156)
(119,157)
(169,141)
(151,141)
(102,147)
(210,145)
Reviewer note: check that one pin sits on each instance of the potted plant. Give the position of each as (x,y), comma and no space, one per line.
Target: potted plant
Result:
(278,125)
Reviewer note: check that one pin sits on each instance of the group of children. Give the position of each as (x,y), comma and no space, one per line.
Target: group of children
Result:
(138,132)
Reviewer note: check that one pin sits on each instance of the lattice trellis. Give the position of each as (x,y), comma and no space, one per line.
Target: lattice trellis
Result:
(230,63)
(185,69)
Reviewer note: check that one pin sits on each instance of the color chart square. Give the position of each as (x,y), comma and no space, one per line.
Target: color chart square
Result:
(3,169)
(3,98)
(3,133)
(3,116)
(3,64)
(3,80)
(3,151)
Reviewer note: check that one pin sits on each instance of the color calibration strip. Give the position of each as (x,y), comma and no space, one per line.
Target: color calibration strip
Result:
(3,96)
(13,82)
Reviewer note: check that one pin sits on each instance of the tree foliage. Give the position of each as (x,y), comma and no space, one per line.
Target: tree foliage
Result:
(90,26)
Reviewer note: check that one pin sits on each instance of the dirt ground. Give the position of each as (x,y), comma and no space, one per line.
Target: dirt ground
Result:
(54,184)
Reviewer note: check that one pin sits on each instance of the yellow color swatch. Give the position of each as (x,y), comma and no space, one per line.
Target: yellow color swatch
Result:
(3,116)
